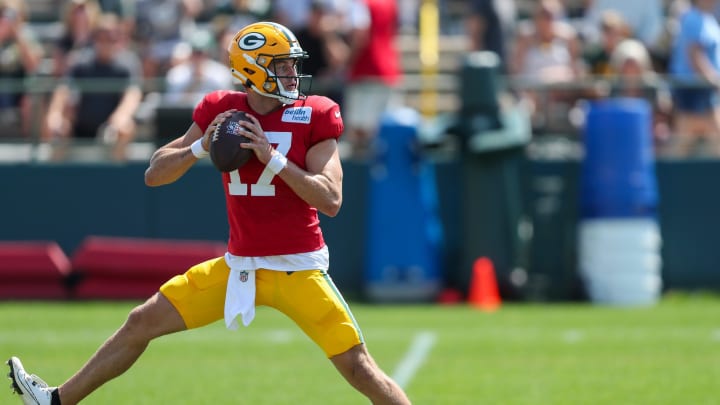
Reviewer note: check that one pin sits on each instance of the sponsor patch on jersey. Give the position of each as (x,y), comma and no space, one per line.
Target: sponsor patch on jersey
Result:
(299,115)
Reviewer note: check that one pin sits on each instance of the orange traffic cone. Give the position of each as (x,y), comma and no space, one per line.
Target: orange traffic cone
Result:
(484,293)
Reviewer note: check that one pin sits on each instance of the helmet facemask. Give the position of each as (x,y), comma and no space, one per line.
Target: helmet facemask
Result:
(285,68)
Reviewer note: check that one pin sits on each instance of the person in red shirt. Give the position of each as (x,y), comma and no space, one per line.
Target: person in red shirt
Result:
(374,71)
(276,255)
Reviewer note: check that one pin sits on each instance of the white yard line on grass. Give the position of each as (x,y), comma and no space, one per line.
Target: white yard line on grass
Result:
(573,336)
(414,358)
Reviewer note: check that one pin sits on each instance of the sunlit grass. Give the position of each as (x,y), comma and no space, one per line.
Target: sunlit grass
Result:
(521,354)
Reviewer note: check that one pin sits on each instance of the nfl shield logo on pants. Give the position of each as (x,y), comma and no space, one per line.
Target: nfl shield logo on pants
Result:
(243,276)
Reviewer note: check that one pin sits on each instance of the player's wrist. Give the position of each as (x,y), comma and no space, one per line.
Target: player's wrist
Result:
(277,163)
(198,150)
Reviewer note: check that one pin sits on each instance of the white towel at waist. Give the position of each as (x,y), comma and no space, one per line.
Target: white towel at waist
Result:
(240,298)
(240,294)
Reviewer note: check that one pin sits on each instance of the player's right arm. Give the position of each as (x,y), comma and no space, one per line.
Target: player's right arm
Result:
(172,160)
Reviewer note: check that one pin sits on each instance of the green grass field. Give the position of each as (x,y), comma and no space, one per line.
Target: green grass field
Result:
(521,354)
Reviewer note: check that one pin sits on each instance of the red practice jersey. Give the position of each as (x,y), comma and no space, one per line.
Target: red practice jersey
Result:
(379,59)
(266,217)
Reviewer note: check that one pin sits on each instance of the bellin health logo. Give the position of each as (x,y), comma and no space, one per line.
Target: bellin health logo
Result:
(300,115)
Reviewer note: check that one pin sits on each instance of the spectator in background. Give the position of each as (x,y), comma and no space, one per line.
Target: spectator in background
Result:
(614,30)
(223,36)
(661,55)
(547,48)
(158,27)
(635,77)
(644,17)
(293,14)
(490,25)
(20,56)
(408,10)
(374,70)
(198,74)
(695,69)
(105,113)
(321,37)
(78,19)
(236,14)
(547,51)
(124,9)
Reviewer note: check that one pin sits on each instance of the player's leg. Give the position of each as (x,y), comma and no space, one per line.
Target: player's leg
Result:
(155,317)
(191,300)
(361,371)
(312,301)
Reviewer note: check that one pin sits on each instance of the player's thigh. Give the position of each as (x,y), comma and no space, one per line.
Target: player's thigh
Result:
(312,301)
(199,294)
(155,317)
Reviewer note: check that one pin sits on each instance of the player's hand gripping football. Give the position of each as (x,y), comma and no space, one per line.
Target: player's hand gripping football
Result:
(259,141)
(252,130)
(233,137)
(210,130)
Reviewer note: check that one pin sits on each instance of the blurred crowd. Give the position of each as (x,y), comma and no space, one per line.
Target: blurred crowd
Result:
(109,64)
(560,54)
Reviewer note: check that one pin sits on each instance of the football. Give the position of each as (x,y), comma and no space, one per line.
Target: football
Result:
(225,151)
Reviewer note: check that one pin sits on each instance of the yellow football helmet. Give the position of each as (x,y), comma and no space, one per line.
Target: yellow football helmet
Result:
(253,53)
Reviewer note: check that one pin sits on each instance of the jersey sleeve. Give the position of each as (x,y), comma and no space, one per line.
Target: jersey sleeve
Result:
(328,120)
(209,107)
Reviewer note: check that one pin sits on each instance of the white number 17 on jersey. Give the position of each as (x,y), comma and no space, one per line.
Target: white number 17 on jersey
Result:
(262,187)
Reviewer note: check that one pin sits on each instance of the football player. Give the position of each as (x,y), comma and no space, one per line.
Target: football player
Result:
(276,255)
